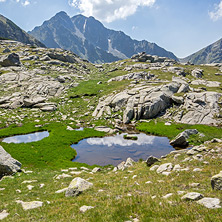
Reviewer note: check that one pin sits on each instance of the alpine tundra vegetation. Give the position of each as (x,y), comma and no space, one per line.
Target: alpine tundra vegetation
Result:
(54,90)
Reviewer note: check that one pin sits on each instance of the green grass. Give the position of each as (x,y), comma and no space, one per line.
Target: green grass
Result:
(123,197)
(158,127)
(51,152)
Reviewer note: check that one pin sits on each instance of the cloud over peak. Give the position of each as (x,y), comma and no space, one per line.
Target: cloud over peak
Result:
(110,10)
(217,13)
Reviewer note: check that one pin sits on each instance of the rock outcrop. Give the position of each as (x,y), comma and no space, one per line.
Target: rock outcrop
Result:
(10,60)
(8,165)
(199,108)
(140,102)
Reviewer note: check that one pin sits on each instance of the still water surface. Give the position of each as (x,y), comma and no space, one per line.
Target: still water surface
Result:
(27,138)
(115,149)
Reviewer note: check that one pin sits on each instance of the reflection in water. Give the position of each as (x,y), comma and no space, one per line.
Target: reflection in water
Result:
(114,149)
(32,137)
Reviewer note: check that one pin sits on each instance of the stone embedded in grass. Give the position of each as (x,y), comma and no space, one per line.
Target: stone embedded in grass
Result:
(8,165)
(77,186)
(96,169)
(211,203)
(30,187)
(63,176)
(192,196)
(3,214)
(151,160)
(166,167)
(167,195)
(84,208)
(30,205)
(29,181)
(216,181)
(155,167)
(62,190)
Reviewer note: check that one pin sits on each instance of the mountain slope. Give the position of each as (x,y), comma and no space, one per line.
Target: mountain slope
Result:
(88,38)
(209,54)
(9,30)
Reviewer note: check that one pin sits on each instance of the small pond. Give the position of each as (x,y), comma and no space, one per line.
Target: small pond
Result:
(31,137)
(115,149)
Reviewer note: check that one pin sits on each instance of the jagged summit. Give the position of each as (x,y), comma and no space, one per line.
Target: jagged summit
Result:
(88,38)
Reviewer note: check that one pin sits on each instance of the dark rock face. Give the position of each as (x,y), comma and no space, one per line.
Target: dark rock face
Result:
(8,165)
(89,39)
(9,30)
(151,160)
(10,60)
(210,54)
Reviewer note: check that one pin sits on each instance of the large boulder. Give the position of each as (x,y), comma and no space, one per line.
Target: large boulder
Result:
(181,139)
(216,181)
(198,73)
(10,60)
(8,165)
(77,186)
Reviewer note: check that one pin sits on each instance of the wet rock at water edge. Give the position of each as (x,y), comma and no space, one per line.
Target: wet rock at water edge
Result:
(151,160)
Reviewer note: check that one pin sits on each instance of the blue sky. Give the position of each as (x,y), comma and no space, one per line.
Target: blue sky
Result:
(180,26)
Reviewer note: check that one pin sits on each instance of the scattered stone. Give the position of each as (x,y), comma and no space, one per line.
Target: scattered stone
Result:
(151,160)
(69,128)
(211,203)
(30,205)
(96,169)
(77,186)
(166,167)
(3,214)
(167,195)
(63,176)
(194,185)
(180,192)
(30,187)
(198,73)
(192,196)
(216,181)
(84,208)
(29,181)
(197,170)
(62,190)
(155,167)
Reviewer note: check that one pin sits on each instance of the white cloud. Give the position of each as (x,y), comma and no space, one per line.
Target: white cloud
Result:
(217,13)
(2,0)
(109,10)
(25,3)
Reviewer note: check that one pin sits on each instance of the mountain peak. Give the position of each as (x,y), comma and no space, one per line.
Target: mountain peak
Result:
(88,38)
(62,13)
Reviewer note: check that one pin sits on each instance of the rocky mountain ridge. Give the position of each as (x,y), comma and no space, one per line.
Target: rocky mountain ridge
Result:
(209,54)
(9,30)
(89,39)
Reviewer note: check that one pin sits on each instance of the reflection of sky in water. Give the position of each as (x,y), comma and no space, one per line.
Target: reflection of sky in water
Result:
(32,137)
(119,140)
(115,149)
